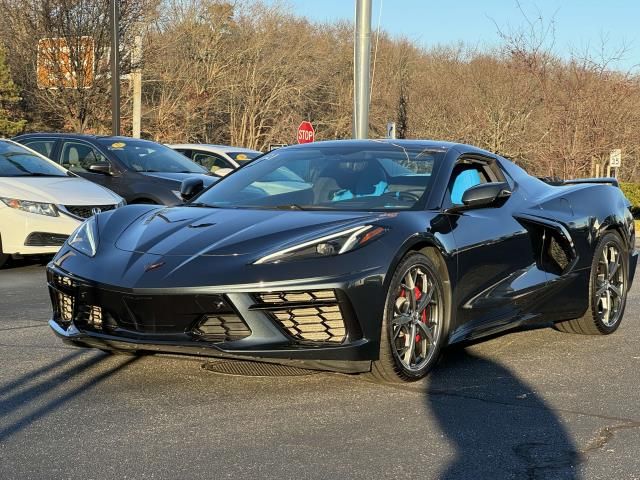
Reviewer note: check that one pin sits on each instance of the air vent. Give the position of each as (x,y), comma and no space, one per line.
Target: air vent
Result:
(312,316)
(222,328)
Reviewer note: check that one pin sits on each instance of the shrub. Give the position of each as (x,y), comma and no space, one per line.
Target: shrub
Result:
(632,192)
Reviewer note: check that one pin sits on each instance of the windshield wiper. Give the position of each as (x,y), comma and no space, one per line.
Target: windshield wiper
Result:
(204,205)
(290,206)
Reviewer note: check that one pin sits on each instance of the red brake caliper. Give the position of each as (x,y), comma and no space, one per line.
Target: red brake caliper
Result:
(418,294)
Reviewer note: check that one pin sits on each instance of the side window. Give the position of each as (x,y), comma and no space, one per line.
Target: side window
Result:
(43,147)
(210,161)
(77,156)
(186,153)
(469,173)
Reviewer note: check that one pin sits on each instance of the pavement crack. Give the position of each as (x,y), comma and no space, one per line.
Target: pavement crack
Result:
(21,328)
(604,436)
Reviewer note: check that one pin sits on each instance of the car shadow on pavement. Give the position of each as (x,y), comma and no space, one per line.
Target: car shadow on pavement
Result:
(35,395)
(32,260)
(499,427)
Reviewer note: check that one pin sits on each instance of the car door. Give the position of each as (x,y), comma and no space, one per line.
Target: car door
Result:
(77,156)
(44,146)
(498,273)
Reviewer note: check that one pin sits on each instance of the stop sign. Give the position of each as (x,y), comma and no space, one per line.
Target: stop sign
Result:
(306,133)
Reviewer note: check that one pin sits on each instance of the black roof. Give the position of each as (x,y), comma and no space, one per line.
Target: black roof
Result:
(79,136)
(424,144)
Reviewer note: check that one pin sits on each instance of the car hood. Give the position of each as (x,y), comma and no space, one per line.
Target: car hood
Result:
(57,190)
(193,231)
(179,177)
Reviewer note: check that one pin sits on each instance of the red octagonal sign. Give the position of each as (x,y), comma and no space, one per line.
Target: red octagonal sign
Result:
(306,133)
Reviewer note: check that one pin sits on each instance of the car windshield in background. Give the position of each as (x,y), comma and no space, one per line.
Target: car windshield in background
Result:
(242,157)
(383,177)
(16,161)
(143,156)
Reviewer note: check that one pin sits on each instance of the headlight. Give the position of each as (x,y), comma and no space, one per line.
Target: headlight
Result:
(85,238)
(327,246)
(47,209)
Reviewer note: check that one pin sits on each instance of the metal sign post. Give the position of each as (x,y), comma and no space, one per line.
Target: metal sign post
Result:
(115,66)
(362,65)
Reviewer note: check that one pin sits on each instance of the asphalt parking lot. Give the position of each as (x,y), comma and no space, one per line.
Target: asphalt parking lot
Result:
(534,405)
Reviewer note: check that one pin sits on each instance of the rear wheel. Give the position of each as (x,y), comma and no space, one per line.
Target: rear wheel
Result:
(413,323)
(607,290)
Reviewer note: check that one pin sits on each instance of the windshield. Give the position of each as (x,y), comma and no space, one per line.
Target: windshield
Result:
(144,156)
(243,157)
(346,177)
(17,161)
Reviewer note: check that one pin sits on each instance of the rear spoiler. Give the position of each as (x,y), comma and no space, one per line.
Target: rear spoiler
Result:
(580,181)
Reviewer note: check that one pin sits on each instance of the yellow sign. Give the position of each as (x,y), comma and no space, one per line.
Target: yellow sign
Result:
(118,145)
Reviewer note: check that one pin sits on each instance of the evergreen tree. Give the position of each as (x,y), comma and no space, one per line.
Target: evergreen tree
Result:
(9,100)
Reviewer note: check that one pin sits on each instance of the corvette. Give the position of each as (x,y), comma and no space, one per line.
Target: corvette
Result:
(351,256)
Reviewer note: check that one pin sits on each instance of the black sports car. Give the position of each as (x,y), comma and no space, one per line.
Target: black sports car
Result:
(351,256)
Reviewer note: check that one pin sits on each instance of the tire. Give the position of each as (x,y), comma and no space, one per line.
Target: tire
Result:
(4,258)
(608,285)
(406,318)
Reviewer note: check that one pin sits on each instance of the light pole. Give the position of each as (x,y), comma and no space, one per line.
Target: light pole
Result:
(114,12)
(361,67)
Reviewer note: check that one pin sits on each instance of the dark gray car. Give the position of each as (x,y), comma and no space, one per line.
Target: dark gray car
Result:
(140,171)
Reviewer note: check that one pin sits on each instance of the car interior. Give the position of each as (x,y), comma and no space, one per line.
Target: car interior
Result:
(365,180)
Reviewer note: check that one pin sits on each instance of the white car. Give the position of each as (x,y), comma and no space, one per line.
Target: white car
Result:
(218,159)
(42,203)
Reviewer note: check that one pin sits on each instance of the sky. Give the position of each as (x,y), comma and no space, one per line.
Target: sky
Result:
(579,25)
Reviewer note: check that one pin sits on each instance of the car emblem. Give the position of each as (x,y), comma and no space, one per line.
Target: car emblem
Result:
(153,266)
(95,210)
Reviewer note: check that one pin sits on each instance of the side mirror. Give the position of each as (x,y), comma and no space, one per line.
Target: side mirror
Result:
(103,168)
(485,194)
(190,188)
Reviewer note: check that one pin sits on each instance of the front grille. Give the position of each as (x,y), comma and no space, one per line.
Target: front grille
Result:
(314,316)
(86,211)
(179,317)
(63,305)
(222,328)
(44,239)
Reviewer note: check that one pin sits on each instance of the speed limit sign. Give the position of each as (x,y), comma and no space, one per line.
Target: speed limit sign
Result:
(615,158)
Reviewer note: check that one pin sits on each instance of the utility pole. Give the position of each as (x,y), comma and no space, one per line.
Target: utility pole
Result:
(114,12)
(136,78)
(361,67)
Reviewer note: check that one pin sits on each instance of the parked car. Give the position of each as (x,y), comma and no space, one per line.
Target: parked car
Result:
(384,253)
(139,170)
(41,203)
(218,159)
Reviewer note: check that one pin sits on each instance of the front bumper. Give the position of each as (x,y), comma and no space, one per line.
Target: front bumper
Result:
(315,328)
(18,227)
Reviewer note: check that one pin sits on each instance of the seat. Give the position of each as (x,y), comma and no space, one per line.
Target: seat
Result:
(360,179)
(73,158)
(463,182)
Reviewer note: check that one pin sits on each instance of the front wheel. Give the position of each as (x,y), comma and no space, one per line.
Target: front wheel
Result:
(607,290)
(413,327)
